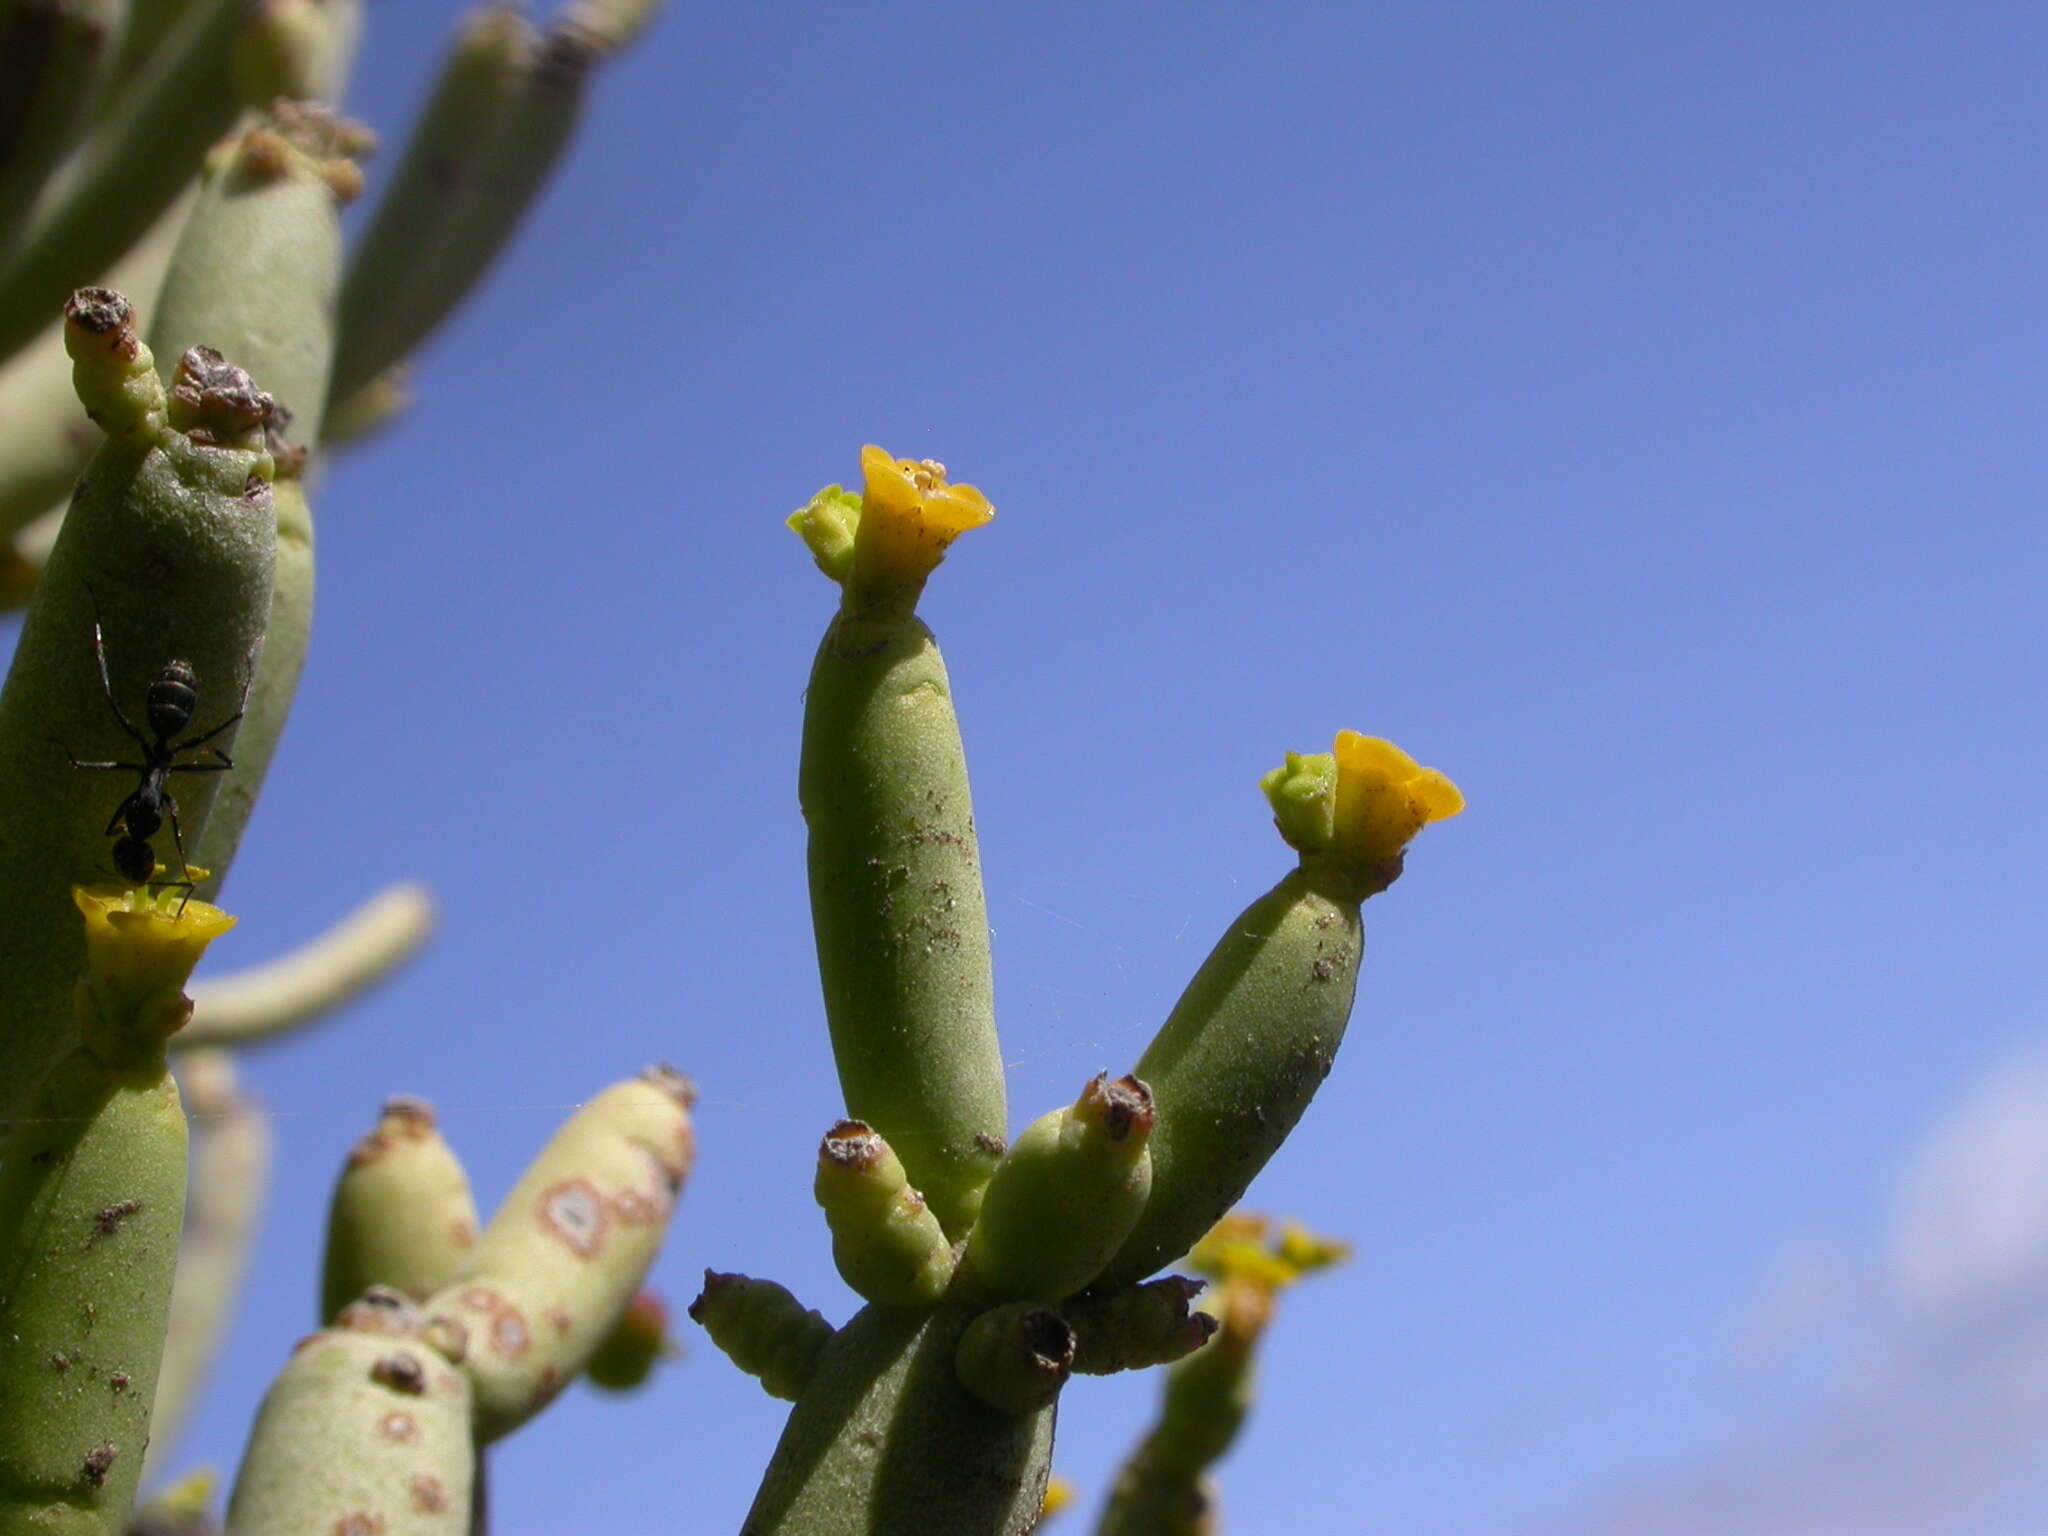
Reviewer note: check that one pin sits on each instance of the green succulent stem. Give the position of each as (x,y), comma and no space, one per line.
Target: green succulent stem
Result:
(1139,1326)
(92,1190)
(764,1330)
(256,275)
(1240,1057)
(258,266)
(298,50)
(562,1258)
(56,58)
(1163,1489)
(168,549)
(139,158)
(382,316)
(92,1194)
(886,1440)
(48,437)
(366,1429)
(310,983)
(1016,1357)
(1066,1194)
(401,1216)
(230,1177)
(502,115)
(897,905)
(886,1242)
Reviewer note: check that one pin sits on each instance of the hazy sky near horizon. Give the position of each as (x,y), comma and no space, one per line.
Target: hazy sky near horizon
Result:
(1635,412)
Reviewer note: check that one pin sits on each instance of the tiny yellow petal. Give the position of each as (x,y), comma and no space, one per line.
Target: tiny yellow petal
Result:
(956,509)
(1375,756)
(1437,795)
(885,486)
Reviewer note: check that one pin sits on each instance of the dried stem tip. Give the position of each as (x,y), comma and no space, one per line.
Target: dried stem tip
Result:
(887,1243)
(1016,1358)
(764,1330)
(111,370)
(217,404)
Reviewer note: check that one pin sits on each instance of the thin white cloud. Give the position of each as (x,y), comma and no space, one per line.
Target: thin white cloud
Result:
(1944,1409)
(1972,1212)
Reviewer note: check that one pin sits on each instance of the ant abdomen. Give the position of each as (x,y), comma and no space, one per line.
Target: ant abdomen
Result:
(172,699)
(133,858)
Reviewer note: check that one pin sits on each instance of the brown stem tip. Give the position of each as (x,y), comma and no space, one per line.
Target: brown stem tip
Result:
(852,1144)
(219,401)
(107,317)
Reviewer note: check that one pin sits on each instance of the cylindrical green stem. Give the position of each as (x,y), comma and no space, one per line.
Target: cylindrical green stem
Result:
(1143,1325)
(167,550)
(564,1254)
(887,1244)
(1254,1035)
(764,1330)
(231,1156)
(1163,1490)
(1016,1357)
(130,171)
(895,868)
(887,1440)
(383,313)
(258,266)
(366,1430)
(1238,1060)
(92,1193)
(402,1215)
(91,1196)
(1066,1194)
(335,968)
(45,437)
(298,50)
(504,112)
(56,57)
(256,276)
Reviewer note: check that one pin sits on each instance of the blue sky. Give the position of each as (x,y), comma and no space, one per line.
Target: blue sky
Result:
(1626,410)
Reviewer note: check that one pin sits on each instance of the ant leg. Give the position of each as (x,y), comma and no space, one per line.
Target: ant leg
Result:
(178,837)
(200,741)
(241,709)
(198,767)
(99,649)
(120,817)
(129,767)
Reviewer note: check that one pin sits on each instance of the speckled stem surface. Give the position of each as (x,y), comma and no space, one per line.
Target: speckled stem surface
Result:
(176,540)
(886,1442)
(898,909)
(560,1260)
(1239,1059)
(92,1192)
(365,1433)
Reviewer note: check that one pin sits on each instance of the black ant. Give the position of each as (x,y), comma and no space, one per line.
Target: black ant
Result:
(173,699)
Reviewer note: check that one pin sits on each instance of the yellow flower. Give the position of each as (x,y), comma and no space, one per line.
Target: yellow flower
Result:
(140,947)
(908,515)
(1384,797)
